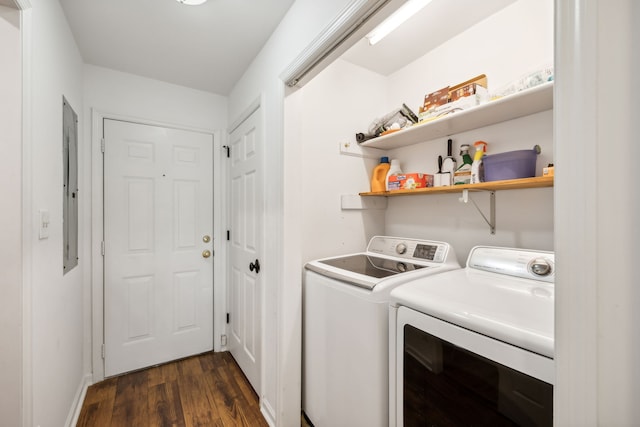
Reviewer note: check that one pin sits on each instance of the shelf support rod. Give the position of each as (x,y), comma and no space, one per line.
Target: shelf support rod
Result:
(492,208)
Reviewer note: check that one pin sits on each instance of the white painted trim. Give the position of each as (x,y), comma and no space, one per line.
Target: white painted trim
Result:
(27,214)
(326,41)
(273,164)
(265,406)
(97,232)
(97,265)
(576,223)
(151,122)
(596,212)
(257,103)
(336,38)
(23,4)
(78,400)
(268,413)
(219,240)
(290,290)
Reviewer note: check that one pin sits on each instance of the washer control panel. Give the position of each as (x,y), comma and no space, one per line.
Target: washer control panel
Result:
(527,264)
(411,249)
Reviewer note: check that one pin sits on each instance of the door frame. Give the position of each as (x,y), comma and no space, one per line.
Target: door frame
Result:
(257,105)
(97,233)
(254,107)
(26,28)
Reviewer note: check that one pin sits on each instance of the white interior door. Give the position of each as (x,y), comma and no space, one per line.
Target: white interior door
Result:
(158,216)
(246,229)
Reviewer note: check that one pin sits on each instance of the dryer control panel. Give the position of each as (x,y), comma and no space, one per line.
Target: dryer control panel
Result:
(412,249)
(527,264)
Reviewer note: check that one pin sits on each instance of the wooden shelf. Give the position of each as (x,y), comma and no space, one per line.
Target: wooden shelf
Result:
(530,101)
(512,184)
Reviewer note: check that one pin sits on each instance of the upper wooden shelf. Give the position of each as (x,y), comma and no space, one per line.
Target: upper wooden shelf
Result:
(512,184)
(529,101)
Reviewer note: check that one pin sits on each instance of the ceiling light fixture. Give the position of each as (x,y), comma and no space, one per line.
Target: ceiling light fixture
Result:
(191,2)
(406,11)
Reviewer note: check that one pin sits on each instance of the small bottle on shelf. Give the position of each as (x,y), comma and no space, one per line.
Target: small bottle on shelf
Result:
(395,169)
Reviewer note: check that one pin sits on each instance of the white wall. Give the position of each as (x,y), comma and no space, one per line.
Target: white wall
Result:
(126,94)
(524,218)
(330,109)
(504,50)
(56,304)
(512,42)
(280,394)
(10,218)
(117,94)
(597,233)
(344,99)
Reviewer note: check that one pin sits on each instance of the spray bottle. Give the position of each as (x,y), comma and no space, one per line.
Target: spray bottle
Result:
(477,169)
(463,173)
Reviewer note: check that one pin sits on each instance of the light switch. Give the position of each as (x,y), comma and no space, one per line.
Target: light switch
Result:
(44,224)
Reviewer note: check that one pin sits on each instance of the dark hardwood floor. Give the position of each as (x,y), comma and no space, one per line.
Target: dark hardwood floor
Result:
(204,390)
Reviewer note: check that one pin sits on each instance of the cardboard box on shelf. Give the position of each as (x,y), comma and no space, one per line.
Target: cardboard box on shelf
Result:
(467,88)
(452,98)
(435,99)
(410,181)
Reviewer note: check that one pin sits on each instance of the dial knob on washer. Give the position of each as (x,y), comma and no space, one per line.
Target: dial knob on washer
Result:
(401,248)
(540,267)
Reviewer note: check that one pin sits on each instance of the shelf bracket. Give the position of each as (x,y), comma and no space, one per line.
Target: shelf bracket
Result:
(492,208)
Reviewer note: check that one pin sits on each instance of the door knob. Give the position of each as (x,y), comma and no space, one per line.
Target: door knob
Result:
(255,266)
(206,253)
(206,239)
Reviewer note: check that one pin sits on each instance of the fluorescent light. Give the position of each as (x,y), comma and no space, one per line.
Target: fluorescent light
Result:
(406,11)
(191,2)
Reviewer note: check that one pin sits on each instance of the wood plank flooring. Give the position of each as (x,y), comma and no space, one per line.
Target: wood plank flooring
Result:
(204,390)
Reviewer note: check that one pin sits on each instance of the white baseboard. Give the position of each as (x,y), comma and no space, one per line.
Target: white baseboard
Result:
(76,407)
(268,414)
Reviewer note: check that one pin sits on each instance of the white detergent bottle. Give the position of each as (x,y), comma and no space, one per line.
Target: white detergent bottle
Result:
(393,170)
(477,170)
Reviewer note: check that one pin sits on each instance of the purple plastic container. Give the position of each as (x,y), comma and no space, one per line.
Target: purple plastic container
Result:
(510,165)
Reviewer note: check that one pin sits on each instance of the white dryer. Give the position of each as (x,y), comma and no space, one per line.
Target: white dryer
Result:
(345,327)
(475,346)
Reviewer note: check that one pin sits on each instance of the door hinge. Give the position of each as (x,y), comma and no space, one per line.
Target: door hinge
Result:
(102,350)
(102,248)
(228,317)
(226,147)
(102,145)
(223,340)
(228,235)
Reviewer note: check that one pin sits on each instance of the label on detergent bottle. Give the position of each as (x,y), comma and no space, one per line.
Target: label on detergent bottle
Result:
(462,175)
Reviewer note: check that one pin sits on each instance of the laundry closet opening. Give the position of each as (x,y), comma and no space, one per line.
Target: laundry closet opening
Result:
(441,46)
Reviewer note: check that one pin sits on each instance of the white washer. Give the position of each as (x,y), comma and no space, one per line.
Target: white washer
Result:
(345,327)
(485,334)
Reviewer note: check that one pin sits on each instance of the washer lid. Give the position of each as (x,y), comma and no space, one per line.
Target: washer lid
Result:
(372,266)
(389,260)
(363,270)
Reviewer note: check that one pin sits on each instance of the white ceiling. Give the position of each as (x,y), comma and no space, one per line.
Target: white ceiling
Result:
(439,21)
(209,47)
(8,3)
(205,47)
